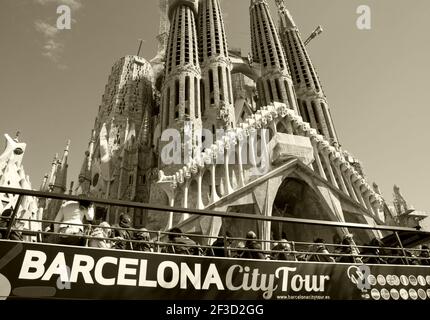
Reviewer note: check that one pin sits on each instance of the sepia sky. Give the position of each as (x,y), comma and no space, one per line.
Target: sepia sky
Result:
(376,81)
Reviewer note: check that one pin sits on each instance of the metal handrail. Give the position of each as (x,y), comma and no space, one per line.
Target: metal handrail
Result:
(297,243)
(268,253)
(159,244)
(166,233)
(168,210)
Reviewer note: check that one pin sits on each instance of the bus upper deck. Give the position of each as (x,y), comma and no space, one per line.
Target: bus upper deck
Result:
(155,264)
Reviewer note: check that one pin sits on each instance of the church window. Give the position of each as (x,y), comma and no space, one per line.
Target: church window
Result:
(202,96)
(196,98)
(221,84)
(187,88)
(269,86)
(278,89)
(211,86)
(228,84)
(176,92)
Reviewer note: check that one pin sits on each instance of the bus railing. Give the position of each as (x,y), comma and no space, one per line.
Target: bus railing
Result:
(191,211)
(159,245)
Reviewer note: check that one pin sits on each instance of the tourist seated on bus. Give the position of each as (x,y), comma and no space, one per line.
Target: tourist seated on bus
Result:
(336,248)
(349,251)
(70,220)
(282,251)
(374,250)
(402,256)
(123,234)
(412,259)
(102,231)
(5,223)
(49,236)
(238,251)
(254,247)
(424,255)
(319,252)
(218,249)
(397,256)
(181,244)
(144,237)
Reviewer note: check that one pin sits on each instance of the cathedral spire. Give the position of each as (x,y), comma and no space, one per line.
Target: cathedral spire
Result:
(57,183)
(163,33)
(311,99)
(164,25)
(44,185)
(216,88)
(275,84)
(51,177)
(180,99)
(286,19)
(61,171)
(84,180)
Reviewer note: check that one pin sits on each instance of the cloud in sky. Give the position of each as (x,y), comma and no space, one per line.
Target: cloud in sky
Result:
(73,4)
(53,47)
(46,29)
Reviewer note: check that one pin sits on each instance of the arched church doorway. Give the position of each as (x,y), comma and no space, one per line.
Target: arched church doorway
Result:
(296,199)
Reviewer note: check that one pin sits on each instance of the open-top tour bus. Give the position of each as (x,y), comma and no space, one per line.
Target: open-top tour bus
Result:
(33,268)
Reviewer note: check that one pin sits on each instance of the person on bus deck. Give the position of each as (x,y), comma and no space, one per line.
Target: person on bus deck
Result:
(282,251)
(176,237)
(217,249)
(375,251)
(403,256)
(102,231)
(238,251)
(144,237)
(253,248)
(70,220)
(181,244)
(5,223)
(319,252)
(425,255)
(412,259)
(49,236)
(349,250)
(336,248)
(397,256)
(124,233)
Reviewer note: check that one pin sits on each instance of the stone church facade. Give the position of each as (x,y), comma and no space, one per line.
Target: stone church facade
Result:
(257,132)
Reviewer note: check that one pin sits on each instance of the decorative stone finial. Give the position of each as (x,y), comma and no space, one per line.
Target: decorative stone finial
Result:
(18,133)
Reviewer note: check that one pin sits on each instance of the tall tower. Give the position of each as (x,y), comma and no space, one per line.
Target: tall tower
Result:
(57,183)
(84,180)
(164,26)
(60,183)
(181,90)
(275,83)
(158,61)
(216,89)
(310,95)
(120,156)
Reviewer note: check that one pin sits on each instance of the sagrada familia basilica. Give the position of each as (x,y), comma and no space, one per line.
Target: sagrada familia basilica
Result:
(269,102)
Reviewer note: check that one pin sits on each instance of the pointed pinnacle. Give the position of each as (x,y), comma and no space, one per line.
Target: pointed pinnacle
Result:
(18,133)
(68,145)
